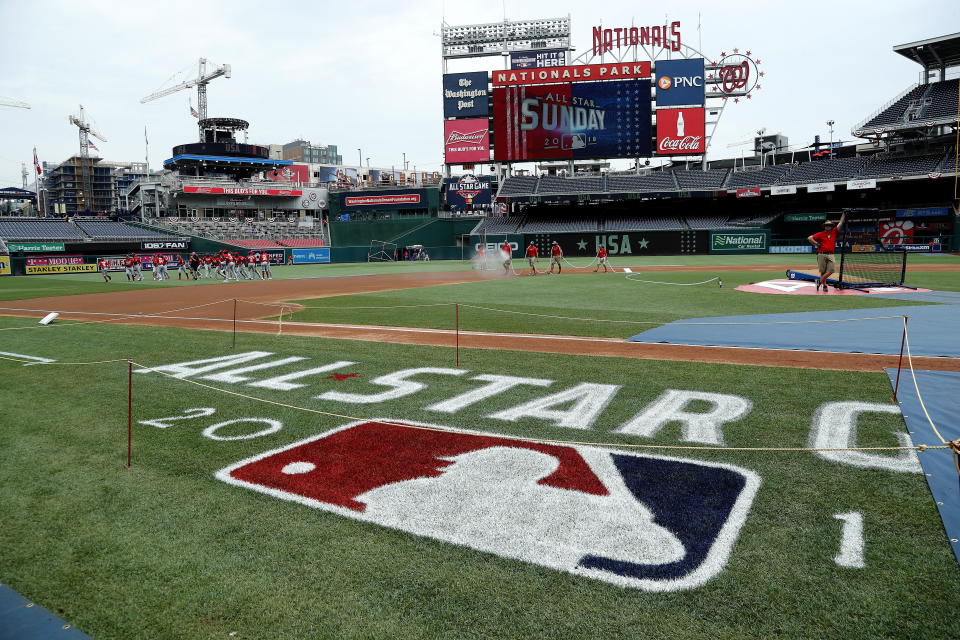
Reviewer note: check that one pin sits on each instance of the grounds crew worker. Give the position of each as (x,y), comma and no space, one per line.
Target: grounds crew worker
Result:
(825,243)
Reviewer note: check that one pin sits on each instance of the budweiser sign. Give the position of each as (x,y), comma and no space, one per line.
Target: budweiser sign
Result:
(681,131)
(457,137)
(466,141)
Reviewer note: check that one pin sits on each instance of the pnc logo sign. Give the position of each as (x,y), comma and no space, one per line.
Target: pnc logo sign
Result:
(680,82)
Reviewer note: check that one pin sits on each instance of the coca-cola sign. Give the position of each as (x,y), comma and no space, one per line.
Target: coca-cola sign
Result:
(466,141)
(681,131)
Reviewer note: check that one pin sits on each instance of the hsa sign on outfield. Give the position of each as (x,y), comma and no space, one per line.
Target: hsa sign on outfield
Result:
(739,241)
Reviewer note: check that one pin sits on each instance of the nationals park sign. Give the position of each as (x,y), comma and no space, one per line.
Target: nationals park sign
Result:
(739,242)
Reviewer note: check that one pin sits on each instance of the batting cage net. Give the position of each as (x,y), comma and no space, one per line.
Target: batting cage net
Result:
(865,261)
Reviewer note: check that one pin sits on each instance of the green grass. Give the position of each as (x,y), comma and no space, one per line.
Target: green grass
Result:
(165,550)
(632,306)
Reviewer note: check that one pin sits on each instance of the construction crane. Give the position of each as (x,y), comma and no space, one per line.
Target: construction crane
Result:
(86,167)
(10,102)
(200,82)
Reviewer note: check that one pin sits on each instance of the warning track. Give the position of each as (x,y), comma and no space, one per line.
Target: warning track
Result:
(178,307)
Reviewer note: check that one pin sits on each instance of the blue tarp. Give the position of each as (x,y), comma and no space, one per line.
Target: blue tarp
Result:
(933,331)
(21,619)
(939,390)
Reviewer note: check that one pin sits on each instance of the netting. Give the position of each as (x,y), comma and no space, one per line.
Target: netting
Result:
(381,251)
(864,259)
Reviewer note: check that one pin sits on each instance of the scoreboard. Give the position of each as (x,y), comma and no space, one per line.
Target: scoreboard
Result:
(572,121)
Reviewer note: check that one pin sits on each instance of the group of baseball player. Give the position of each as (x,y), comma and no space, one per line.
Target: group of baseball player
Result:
(556,258)
(226,265)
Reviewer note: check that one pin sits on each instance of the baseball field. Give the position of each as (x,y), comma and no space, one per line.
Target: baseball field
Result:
(424,450)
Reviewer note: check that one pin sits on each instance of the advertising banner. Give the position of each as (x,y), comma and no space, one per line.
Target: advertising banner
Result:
(681,131)
(783,190)
(290,173)
(925,212)
(572,121)
(739,241)
(320,255)
(538,59)
(4,265)
(382,200)
(585,245)
(35,246)
(465,94)
(466,192)
(161,245)
(60,268)
(749,192)
(805,217)
(43,261)
(861,184)
(575,73)
(466,141)
(820,187)
(914,247)
(899,232)
(799,248)
(679,82)
(243,191)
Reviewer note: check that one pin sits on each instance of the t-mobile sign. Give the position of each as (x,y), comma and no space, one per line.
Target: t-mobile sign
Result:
(681,131)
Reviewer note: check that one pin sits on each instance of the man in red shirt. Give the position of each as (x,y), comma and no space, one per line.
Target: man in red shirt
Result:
(601,259)
(507,256)
(128,267)
(556,255)
(104,265)
(532,255)
(825,243)
(207,261)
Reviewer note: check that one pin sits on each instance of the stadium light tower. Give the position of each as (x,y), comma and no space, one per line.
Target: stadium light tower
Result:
(830,124)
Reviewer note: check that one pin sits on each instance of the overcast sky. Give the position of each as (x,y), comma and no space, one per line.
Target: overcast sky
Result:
(367,74)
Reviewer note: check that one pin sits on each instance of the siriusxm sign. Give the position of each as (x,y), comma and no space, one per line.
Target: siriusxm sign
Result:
(465,94)
(679,82)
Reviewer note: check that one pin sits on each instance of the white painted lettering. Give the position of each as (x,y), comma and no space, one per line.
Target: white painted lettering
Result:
(272,427)
(498,384)
(233,375)
(282,383)
(186,369)
(835,426)
(704,427)
(588,398)
(398,380)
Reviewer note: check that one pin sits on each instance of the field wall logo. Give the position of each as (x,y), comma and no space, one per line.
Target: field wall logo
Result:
(640,521)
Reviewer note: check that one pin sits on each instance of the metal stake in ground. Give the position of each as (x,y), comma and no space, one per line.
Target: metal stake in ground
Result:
(234,323)
(456,308)
(129,413)
(903,339)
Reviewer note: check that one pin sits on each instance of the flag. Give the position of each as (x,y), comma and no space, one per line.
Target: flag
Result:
(193,112)
(36,162)
(90,145)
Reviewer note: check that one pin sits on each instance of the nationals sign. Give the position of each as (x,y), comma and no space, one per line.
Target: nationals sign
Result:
(466,141)
(576,73)
(243,191)
(681,131)
(579,120)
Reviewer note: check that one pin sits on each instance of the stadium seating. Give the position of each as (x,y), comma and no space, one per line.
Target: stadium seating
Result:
(560,225)
(823,171)
(651,223)
(941,100)
(697,180)
(518,186)
(498,224)
(752,221)
(717,221)
(232,230)
(110,230)
(38,229)
(301,242)
(257,244)
(949,164)
(895,112)
(558,185)
(655,181)
(761,178)
(898,166)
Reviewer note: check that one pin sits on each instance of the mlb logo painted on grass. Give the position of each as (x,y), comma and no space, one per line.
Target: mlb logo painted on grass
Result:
(640,521)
